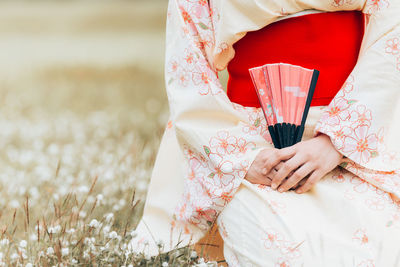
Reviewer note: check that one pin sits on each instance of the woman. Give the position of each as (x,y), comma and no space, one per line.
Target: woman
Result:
(216,162)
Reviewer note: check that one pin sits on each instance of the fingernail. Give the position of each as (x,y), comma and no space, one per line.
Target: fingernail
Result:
(264,171)
(298,191)
(280,190)
(273,186)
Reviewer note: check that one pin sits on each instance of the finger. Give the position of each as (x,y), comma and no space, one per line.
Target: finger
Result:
(314,178)
(289,166)
(274,170)
(301,182)
(280,164)
(280,155)
(296,177)
(267,181)
(262,180)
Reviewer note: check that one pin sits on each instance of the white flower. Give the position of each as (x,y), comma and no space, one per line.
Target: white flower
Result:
(4,242)
(94,223)
(33,237)
(29,265)
(193,254)
(55,229)
(86,255)
(70,231)
(64,251)
(113,235)
(50,251)
(83,189)
(23,244)
(109,217)
(106,229)
(14,204)
(74,261)
(82,214)
(164,264)
(14,256)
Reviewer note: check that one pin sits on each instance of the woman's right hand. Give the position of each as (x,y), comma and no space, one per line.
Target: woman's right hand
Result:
(265,163)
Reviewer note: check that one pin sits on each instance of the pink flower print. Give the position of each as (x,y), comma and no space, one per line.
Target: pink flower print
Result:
(339,135)
(338,178)
(290,249)
(172,66)
(222,230)
(222,47)
(361,115)
(183,78)
(186,16)
(338,3)
(361,144)
(243,145)
(360,186)
(223,143)
(189,57)
(250,129)
(361,237)
(241,168)
(203,3)
(222,173)
(276,206)
(196,169)
(222,195)
(348,85)
(381,135)
(393,46)
(337,111)
(199,11)
(272,239)
(366,263)
(349,195)
(202,78)
(282,263)
(375,5)
(376,203)
(380,179)
(184,31)
(202,213)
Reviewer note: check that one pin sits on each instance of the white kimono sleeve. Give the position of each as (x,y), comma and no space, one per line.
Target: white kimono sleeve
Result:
(363,118)
(219,139)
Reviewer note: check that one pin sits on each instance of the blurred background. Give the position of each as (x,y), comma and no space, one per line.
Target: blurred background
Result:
(82,110)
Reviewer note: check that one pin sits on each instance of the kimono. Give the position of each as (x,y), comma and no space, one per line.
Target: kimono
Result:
(210,142)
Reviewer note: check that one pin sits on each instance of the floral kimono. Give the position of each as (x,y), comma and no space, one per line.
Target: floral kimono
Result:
(210,142)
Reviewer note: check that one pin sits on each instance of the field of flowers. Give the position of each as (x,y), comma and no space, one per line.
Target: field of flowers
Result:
(82,110)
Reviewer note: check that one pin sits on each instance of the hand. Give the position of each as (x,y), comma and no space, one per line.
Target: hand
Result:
(314,158)
(264,163)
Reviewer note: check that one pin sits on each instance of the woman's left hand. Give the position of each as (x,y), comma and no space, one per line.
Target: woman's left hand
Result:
(314,157)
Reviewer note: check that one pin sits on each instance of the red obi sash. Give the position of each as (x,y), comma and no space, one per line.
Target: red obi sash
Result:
(329,42)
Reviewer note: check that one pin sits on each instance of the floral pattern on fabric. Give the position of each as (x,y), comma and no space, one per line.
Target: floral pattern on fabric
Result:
(220,139)
(354,119)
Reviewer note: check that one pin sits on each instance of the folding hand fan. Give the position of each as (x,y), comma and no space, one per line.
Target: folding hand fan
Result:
(285,92)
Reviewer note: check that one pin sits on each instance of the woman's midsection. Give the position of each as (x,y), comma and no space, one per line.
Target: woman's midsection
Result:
(329,42)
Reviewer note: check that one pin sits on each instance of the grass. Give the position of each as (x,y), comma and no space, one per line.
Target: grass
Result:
(82,111)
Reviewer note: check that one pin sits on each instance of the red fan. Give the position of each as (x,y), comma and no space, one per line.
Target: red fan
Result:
(285,92)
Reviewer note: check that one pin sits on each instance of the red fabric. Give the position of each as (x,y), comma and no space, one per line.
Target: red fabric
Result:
(328,42)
